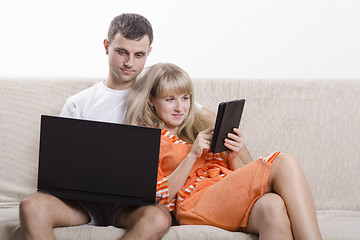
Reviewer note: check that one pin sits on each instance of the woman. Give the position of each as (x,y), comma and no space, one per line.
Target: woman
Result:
(213,189)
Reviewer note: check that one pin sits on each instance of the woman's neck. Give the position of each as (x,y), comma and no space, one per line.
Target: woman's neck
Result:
(173,131)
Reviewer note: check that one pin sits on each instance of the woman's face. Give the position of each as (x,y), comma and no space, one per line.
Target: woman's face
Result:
(172,109)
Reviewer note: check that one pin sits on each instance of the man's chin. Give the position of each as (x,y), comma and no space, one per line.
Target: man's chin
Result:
(125,77)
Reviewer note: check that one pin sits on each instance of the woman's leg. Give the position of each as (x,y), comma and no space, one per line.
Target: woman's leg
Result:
(289,182)
(269,219)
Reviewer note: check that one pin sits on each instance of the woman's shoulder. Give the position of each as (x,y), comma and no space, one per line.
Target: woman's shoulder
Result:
(167,136)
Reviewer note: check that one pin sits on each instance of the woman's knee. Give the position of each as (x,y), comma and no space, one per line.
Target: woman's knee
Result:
(269,211)
(274,209)
(288,161)
(286,167)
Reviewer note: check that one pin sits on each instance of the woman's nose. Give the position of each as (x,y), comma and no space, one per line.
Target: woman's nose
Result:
(177,106)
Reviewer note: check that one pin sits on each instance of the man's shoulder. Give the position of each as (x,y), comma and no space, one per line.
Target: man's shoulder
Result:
(84,94)
(74,105)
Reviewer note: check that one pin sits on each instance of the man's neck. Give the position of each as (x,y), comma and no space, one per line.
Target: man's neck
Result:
(118,85)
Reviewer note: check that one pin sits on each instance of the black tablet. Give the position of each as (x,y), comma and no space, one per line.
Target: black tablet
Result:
(228,117)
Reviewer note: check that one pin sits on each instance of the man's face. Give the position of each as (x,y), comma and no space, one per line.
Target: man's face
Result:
(126,59)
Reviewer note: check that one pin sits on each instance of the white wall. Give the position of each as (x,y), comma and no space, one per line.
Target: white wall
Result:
(236,38)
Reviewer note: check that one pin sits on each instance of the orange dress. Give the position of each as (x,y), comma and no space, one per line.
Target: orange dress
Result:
(213,194)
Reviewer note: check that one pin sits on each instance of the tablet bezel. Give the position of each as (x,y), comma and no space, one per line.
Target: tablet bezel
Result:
(226,120)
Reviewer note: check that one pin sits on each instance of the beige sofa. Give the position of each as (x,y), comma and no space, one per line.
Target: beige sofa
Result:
(318,121)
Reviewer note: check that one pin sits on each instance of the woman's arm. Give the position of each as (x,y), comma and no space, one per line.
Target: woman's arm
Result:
(177,179)
(242,159)
(239,155)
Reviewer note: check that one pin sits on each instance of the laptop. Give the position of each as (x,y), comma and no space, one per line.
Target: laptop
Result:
(98,161)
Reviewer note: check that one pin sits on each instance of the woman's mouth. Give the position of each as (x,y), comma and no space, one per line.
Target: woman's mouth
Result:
(178,115)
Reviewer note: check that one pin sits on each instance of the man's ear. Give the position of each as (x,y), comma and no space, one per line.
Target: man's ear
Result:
(106,45)
(150,48)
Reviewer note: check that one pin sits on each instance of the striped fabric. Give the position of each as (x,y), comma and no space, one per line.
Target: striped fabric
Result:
(173,138)
(270,157)
(162,194)
(208,166)
(162,190)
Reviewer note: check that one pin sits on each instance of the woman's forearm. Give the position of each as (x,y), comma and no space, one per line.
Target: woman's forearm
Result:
(245,155)
(243,158)
(177,179)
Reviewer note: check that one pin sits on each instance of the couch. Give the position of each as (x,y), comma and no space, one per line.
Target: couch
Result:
(318,121)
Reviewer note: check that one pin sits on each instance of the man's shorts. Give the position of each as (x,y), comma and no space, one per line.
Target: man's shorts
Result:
(102,214)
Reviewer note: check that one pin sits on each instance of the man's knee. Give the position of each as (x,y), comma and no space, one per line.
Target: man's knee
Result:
(33,205)
(159,216)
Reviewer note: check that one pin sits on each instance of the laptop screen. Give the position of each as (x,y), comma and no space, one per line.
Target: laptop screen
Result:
(98,161)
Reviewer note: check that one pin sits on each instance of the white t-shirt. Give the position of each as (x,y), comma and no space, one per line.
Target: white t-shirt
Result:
(99,103)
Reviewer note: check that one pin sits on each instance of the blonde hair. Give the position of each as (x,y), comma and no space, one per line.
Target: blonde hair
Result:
(161,80)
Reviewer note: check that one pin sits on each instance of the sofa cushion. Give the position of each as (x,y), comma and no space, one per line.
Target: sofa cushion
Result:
(10,230)
(333,224)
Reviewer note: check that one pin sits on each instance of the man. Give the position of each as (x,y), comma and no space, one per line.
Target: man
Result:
(128,46)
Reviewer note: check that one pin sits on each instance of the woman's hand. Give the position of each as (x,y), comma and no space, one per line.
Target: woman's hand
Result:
(235,143)
(177,178)
(202,142)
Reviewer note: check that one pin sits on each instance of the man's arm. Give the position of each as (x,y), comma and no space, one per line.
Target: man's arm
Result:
(206,113)
(70,110)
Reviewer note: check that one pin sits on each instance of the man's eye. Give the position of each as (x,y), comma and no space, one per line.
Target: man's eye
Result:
(121,52)
(139,55)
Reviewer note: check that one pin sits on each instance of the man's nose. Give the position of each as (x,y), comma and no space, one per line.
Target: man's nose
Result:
(129,62)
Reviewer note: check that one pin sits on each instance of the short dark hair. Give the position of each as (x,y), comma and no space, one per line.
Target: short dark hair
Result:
(131,26)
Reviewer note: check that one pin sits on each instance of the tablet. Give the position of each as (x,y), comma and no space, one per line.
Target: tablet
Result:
(228,117)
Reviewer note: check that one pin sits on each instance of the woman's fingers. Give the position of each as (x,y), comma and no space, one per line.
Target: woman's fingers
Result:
(233,146)
(209,130)
(234,141)
(206,137)
(203,141)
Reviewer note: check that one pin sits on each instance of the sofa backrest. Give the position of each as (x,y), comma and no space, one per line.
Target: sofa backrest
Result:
(23,101)
(317,121)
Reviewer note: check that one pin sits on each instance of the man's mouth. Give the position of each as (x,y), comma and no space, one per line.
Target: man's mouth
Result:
(126,71)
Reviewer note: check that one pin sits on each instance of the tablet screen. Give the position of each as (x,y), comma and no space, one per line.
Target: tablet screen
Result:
(228,117)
